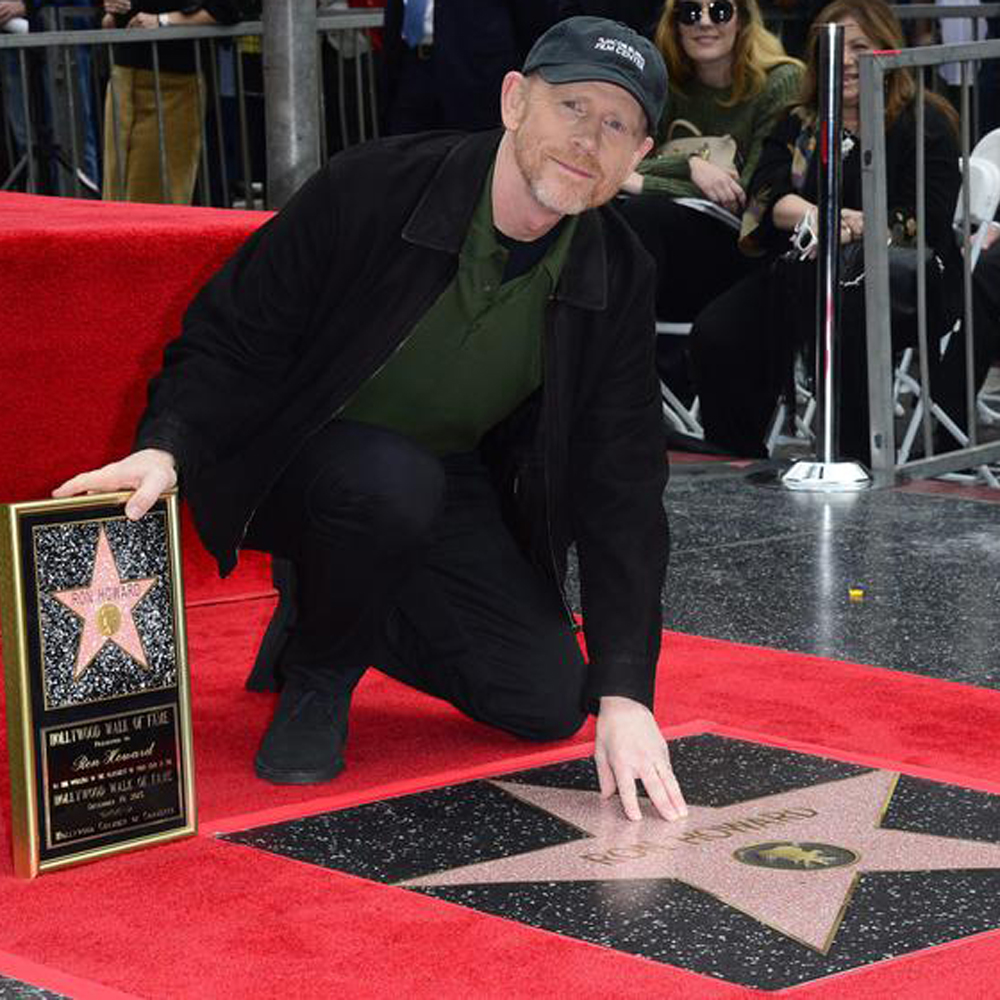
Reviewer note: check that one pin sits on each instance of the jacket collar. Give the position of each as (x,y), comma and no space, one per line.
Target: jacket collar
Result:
(442,217)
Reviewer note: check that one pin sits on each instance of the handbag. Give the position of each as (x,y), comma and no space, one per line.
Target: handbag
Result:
(719,150)
(904,268)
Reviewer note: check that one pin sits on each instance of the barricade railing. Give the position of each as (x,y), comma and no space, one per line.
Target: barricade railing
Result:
(59,98)
(887,465)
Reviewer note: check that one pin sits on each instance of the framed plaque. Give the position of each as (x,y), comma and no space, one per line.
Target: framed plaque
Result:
(98,693)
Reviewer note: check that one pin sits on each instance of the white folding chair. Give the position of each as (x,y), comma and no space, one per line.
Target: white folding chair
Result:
(984,198)
(988,149)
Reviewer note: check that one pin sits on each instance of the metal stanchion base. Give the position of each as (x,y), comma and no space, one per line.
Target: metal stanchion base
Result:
(826,477)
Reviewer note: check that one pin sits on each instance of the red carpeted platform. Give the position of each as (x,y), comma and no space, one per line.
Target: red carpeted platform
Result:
(92,292)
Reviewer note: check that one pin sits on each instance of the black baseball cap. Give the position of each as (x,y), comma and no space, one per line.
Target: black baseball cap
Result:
(594,48)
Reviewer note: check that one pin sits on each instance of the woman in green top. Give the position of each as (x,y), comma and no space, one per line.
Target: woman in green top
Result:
(728,75)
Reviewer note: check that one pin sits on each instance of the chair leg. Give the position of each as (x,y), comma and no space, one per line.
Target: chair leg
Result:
(266,674)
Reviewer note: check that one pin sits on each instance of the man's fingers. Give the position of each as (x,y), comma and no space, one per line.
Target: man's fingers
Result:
(96,481)
(630,798)
(144,497)
(673,788)
(605,776)
(656,789)
(146,475)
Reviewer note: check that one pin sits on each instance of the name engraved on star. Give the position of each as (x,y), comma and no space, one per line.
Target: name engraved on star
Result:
(105,595)
(113,774)
(699,837)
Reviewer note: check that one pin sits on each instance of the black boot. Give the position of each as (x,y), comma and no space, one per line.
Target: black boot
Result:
(304,743)
(267,673)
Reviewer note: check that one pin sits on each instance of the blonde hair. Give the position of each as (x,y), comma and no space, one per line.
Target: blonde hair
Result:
(756,51)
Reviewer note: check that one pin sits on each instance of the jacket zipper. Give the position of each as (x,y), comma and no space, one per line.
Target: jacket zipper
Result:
(548,398)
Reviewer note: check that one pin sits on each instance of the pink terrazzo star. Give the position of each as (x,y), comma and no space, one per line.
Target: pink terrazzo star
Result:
(106,609)
(822,838)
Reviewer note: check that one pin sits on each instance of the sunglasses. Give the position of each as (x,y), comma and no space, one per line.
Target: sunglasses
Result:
(719,12)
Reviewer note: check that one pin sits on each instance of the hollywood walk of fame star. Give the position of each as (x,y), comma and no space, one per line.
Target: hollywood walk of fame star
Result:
(106,606)
(809,848)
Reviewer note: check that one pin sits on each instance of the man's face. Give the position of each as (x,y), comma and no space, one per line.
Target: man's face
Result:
(574,143)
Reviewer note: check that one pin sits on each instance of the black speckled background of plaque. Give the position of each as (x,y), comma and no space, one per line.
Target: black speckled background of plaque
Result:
(889,914)
(64,560)
(14,989)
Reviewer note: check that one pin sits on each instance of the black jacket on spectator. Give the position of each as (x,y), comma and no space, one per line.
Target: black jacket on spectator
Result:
(475,44)
(174,57)
(318,298)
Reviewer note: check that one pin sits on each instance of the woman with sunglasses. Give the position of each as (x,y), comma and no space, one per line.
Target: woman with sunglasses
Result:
(742,343)
(728,76)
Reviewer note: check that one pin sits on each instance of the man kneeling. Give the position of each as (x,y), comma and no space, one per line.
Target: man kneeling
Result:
(421,382)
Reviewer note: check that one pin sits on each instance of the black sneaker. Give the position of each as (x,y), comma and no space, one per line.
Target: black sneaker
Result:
(304,744)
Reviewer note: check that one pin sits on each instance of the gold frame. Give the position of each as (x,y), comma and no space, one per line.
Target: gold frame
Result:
(18,601)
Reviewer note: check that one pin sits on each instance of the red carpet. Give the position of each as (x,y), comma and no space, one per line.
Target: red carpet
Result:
(201,918)
(94,290)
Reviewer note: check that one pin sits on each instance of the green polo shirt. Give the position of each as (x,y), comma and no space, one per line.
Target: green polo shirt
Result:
(475,355)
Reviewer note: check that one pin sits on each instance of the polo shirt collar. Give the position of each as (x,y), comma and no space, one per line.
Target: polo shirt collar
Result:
(442,217)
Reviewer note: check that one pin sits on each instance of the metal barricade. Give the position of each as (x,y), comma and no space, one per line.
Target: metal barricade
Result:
(886,463)
(64,108)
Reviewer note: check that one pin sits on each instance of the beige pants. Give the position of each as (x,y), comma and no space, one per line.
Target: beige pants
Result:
(133,168)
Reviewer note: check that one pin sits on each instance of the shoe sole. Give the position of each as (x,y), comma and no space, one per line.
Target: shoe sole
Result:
(278,777)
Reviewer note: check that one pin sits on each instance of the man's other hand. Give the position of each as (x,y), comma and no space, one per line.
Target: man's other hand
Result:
(148,473)
(630,746)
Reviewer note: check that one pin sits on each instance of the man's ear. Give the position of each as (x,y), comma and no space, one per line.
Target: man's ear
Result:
(513,99)
(644,148)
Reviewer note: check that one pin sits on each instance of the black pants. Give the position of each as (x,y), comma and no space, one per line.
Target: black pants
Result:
(741,361)
(986,337)
(416,104)
(697,259)
(404,562)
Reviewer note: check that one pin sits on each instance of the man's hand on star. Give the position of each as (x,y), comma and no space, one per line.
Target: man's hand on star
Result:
(630,746)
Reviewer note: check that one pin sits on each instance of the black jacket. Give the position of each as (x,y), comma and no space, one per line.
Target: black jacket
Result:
(174,57)
(319,297)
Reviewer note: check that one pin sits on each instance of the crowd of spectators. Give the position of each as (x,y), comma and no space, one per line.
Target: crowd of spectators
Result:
(744,69)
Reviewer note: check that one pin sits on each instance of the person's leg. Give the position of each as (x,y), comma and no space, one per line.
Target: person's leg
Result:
(732,353)
(183,98)
(353,514)
(13,99)
(697,257)
(119,116)
(950,393)
(415,106)
(479,626)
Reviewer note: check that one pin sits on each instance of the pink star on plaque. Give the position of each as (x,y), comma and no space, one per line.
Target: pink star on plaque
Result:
(106,609)
(791,860)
